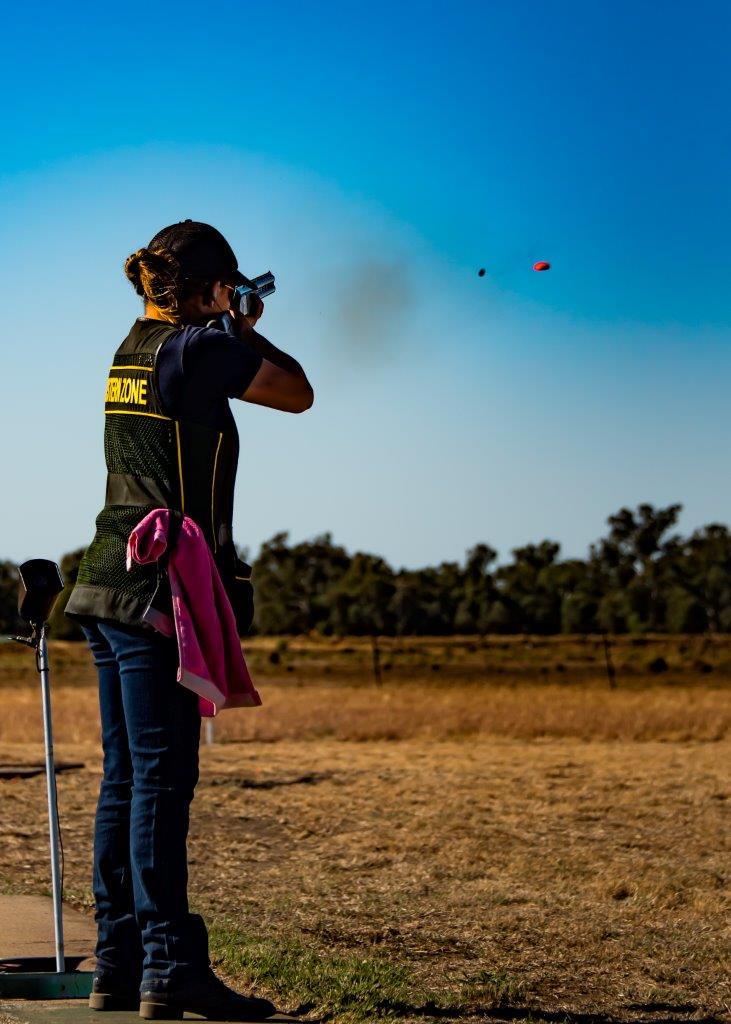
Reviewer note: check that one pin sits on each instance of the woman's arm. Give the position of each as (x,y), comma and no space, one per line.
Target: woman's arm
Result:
(280,389)
(280,382)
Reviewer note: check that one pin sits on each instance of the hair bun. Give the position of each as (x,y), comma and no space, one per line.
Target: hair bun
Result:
(155,275)
(132,269)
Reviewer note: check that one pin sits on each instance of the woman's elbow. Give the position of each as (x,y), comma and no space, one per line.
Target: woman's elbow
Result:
(306,400)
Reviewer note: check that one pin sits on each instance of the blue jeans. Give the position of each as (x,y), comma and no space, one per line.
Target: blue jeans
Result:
(150,736)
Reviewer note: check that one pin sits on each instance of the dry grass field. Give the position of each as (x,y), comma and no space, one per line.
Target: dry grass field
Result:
(492,832)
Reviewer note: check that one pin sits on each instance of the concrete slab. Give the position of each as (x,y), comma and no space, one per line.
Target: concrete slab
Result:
(62,1012)
(26,928)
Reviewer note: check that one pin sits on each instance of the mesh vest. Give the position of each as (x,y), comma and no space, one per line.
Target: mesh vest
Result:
(153,461)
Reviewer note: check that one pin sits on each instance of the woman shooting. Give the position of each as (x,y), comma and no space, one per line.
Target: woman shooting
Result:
(170,442)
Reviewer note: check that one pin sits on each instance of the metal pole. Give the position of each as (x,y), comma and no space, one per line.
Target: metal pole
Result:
(52,804)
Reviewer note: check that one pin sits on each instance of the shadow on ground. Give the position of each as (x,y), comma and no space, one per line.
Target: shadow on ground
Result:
(675,1014)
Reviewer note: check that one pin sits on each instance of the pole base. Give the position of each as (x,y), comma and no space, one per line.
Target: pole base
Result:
(37,978)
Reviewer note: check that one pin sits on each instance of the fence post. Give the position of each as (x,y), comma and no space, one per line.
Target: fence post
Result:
(376,661)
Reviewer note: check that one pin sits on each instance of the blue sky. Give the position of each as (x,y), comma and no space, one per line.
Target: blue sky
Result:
(375,156)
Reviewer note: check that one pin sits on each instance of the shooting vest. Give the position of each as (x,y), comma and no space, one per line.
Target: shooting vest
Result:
(156,461)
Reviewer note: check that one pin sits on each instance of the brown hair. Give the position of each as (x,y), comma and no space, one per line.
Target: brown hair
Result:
(156,276)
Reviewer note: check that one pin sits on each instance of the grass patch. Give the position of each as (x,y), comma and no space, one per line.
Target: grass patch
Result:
(490,988)
(346,987)
(342,987)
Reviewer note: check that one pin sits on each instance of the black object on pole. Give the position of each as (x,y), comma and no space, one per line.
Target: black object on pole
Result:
(40,584)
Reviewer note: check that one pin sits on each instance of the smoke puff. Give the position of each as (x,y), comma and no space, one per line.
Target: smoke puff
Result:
(370,304)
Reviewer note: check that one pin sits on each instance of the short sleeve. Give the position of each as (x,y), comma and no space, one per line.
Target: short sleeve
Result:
(219,362)
(199,369)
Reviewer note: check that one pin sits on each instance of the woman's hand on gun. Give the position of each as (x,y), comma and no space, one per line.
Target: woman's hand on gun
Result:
(257,307)
(245,323)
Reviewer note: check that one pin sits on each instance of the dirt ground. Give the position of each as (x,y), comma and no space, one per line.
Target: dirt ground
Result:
(592,875)
(587,874)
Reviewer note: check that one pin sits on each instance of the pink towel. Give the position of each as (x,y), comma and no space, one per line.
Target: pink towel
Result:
(212,662)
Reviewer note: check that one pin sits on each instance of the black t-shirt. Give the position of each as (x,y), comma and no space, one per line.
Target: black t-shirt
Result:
(199,369)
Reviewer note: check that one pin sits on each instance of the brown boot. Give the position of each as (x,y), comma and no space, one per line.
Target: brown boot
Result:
(108,993)
(207,996)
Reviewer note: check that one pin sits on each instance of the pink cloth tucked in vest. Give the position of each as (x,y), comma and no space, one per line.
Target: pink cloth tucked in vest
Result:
(212,662)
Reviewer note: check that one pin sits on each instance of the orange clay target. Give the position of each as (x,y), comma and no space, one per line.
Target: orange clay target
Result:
(541,265)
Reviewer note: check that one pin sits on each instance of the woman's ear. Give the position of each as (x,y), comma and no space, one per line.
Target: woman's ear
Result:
(220,297)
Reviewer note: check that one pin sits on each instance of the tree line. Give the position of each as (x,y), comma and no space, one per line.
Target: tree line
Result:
(640,577)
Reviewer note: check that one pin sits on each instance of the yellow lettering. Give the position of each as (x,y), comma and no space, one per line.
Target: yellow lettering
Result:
(126,390)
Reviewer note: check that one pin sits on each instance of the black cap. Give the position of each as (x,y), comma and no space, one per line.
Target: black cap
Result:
(201,250)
